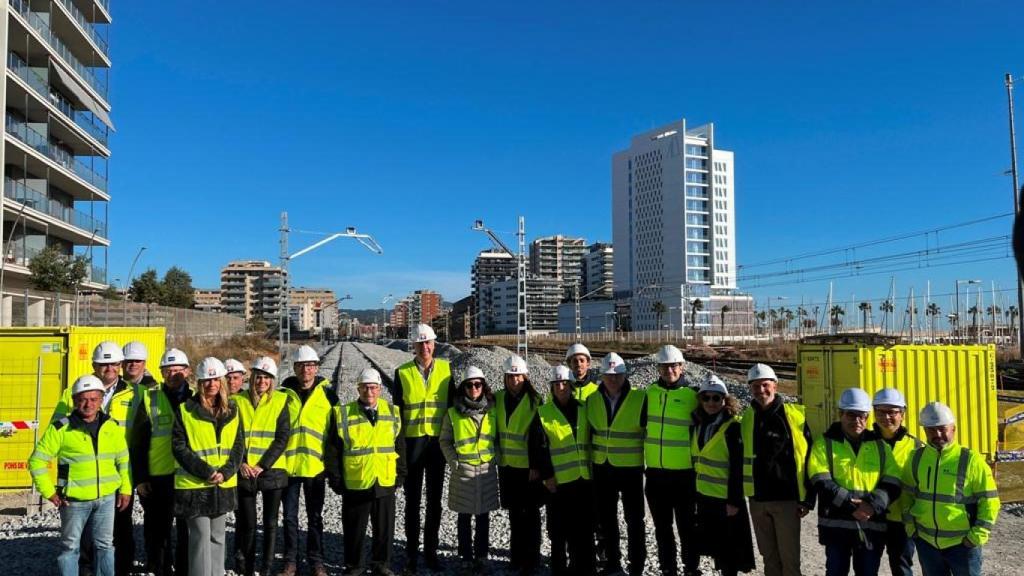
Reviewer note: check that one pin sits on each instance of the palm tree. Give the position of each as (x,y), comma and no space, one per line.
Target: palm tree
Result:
(722,311)
(974,311)
(886,307)
(658,307)
(801,312)
(837,313)
(1011,314)
(865,309)
(788,317)
(761,317)
(933,311)
(696,306)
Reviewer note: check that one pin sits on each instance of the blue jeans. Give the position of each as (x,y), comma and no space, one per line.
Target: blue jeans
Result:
(839,557)
(900,549)
(958,560)
(73,518)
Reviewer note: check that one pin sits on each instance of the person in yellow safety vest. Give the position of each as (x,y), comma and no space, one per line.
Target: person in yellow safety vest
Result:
(236,376)
(469,441)
(267,422)
(312,401)
(776,445)
(855,476)
(118,403)
(421,390)
(617,418)
(578,358)
(559,450)
(670,477)
(134,369)
(520,490)
(365,463)
(722,526)
(951,498)
(209,446)
(91,456)
(890,408)
(153,464)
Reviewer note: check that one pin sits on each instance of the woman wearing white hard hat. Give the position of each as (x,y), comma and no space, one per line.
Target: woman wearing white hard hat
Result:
(723,524)
(469,441)
(266,421)
(519,487)
(209,446)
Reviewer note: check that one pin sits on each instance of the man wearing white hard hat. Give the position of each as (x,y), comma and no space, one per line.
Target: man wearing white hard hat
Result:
(951,497)
(117,402)
(312,401)
(578,358)
(559,449)
(776,446)
(133,367)
(856,477)
(890,408)
(366,464)
(153,463)
(236,375)
(670,477)
(421,390)
(617,417)
(92,476)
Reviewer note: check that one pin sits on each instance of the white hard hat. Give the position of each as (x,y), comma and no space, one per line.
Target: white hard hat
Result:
(669,354)
(761,372)
(576,349)
(516,365)
(232,365)
(854,399)
(210,368)
(713,383)
(87,383)
(266,365)
(135,350)
(305,354)
(612,364)
(560,373)
(369,375)
(889,397)
(423,333)
(173,357)
(936,414)
(472,373)
(107,353)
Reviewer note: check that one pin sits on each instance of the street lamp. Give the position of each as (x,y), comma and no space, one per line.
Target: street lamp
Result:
(131,272)
(577,298)
(959,322)
(383,317)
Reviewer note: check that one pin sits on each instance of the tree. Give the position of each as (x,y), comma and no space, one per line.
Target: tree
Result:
(974,311)
(886,307)
(837,313)
(787,315)
(658,307)
(110,293)
(932,311)
(1011,314)
(177,289)
(696,306)
(865,309)
(54,271)
(146,288)
(761,317)
(722,311)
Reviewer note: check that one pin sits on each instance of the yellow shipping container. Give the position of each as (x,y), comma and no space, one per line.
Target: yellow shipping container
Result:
(961,376)
(36,365)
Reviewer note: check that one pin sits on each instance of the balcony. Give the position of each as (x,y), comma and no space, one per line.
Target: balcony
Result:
(87,121)
(96,81)
(39,202)
(40,143)
(87,27)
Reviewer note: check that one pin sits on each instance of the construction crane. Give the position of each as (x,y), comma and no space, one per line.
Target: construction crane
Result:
(522,338)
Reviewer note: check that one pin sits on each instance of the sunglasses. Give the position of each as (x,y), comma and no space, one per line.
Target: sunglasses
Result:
(711,397)
(474,384)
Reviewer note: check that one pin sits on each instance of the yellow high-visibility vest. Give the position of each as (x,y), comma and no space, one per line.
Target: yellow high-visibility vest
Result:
(620,443)
(202,440)
(305,452)
(260,425)
(369,456)
(859,472)
(583,391)
(83,472)
(512,431)
(667,445)
(474,444)
(795,417)
(902,450)
(424,402)
(567,446)
(711,463)
(161,423)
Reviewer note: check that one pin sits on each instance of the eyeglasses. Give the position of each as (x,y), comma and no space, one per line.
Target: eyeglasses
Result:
(474,384)
(856,415)
(711,398)
(369,387)
(889,412)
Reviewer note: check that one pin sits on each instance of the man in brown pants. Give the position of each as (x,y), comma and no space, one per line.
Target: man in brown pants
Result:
(776,444)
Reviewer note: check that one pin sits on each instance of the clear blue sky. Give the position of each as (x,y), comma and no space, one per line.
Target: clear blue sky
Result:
(411,119)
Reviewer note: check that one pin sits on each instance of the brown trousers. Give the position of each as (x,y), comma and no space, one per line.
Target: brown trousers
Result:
(777,528)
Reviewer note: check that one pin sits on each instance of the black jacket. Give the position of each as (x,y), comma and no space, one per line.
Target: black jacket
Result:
(271,478)
(335,451)
(774,465)
(212,500)
(142,431)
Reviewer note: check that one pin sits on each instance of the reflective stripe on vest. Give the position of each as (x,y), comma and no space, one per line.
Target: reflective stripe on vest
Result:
(711,463)
(260,425)
(474,444)
(622,442)
(425,403)
(667,445)
(856,473)
(795,418)
(512,431)
(84,471)
(161,422)
(369,455)
(305,452)
(567,447)
(202,440)
(902,451)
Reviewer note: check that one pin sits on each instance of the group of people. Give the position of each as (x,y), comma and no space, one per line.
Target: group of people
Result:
(707,469)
